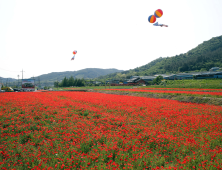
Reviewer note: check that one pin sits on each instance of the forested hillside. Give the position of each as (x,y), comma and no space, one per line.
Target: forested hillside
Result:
(88,73)
(202,58)
(50,78)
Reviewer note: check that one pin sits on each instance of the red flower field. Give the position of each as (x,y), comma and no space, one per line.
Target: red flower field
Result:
(86,130)
(183,89)
(144,90)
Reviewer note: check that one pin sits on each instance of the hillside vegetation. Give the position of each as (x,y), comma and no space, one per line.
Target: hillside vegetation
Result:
(50,78)
(202,58)
(88,73)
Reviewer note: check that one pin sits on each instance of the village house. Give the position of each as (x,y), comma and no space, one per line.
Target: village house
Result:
(214,69)
(137,80)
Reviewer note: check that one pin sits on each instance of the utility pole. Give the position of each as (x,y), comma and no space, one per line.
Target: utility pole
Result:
(22,73)
(57,84)
(18,81)
(34,81)
(39,83)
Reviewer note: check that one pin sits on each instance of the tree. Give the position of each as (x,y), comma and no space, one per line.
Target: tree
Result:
(71,81)
(64,82)
(56,84)
(158,80)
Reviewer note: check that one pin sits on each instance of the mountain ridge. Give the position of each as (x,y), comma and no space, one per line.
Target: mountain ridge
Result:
(201,58)
(87,73)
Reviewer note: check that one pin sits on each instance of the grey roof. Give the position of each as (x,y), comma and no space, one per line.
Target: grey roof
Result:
(137,78)
(191,74)
(183,74)
(148,77)
(165,75)
(133,79)
(219,72)
(209,73)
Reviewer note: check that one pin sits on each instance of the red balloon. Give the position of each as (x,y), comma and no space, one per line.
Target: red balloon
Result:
(152,18)
(158,13)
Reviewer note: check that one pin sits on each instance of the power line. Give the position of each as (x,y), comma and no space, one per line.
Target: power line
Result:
(9,70)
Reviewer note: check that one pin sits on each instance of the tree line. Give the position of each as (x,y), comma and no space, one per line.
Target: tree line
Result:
(67,82)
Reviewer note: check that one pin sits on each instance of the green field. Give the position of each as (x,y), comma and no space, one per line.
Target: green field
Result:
(201,84)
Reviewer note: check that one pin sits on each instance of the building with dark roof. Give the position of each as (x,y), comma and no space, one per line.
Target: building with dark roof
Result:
(214,69)
(144,80)
(135,81)
(197,75)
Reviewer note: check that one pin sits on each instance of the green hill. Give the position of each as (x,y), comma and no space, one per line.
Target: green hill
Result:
(202,58)
(50,78)
(8,81)
(88,73)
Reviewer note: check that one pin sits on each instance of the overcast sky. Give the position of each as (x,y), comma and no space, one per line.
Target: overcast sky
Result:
(39,36)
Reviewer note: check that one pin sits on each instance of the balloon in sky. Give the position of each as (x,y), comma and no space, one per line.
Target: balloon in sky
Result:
(158,13)
(74,52)
(151,18)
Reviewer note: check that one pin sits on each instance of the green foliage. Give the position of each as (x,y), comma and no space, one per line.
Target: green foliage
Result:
(56,84)
(67,82)
(51,78)
(88,73)
(158,80)
(195,83)
(202,58)
(86,146)
(71,81)
(25,138)
(45,88)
